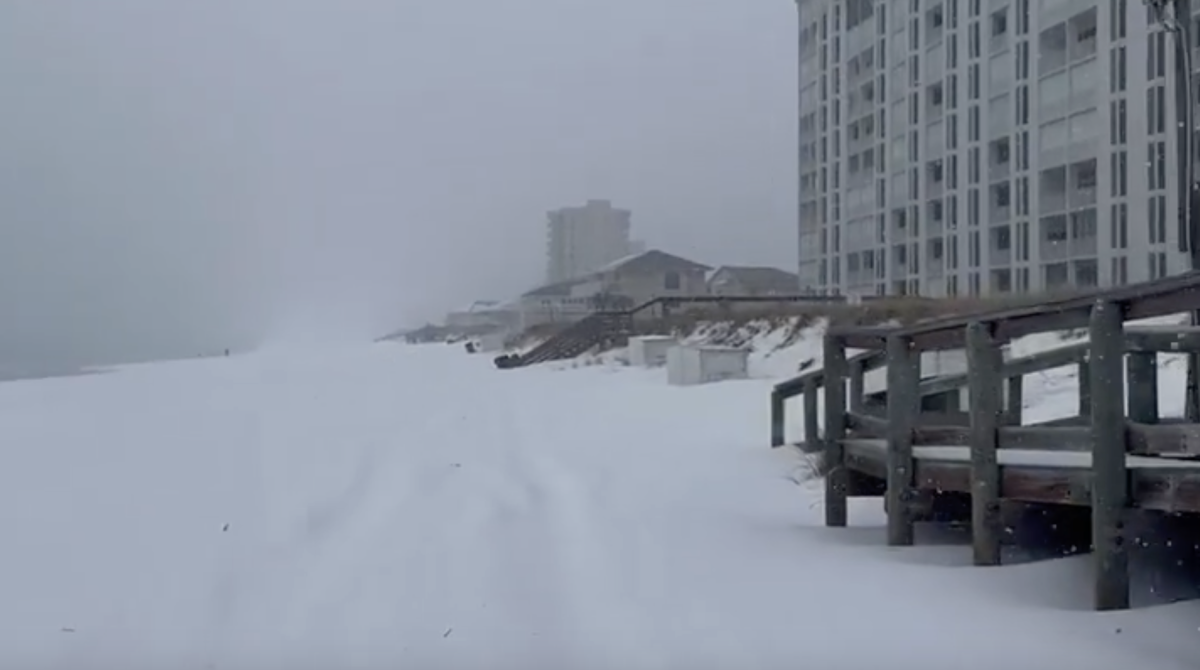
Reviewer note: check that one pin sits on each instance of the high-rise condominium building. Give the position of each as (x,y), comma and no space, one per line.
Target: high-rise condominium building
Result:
(580,240)
(955,147)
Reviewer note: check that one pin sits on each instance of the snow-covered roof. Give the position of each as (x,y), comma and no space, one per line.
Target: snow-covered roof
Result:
(557,289)
(608,267)
(759,278)
(480,306)
(652,260)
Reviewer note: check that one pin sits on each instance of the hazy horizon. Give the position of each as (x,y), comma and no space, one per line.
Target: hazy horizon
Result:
(179,177)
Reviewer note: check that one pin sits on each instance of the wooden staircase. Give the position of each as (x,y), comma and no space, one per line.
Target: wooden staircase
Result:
(613,328)
(601,328)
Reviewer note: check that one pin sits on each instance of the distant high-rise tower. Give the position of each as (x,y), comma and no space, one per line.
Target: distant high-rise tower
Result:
(580,240)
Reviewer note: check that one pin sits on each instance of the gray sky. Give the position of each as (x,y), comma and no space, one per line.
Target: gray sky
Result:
(179,176)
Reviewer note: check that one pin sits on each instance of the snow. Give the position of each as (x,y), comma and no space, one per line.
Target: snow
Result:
(1026,457)
(411,506)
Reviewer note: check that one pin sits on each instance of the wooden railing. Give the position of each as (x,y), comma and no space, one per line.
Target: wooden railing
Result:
(808,385)
(1172,295)
(811,383)
(1089,459)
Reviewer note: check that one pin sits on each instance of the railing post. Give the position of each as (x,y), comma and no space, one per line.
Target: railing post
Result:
(1016,400)
(903,406)
(777,419)
(812,431)
(1110,485)
(837,477)
(1141,377)
(1085,387)
(984,362)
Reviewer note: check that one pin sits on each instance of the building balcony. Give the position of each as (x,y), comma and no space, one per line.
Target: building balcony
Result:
(1084,246)
(1052,49)
(863,141)
(935,27)
(1054,249)
(998,42)
(935,139)
(1052,202)
(1082,197)
(935,113)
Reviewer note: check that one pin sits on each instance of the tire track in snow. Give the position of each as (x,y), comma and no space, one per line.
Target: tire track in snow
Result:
(500,558)
(327,460)
(498,583)
(468,538)
(586,550)
(441,535)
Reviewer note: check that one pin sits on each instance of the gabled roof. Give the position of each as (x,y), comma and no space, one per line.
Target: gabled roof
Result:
(653,261)
(555,290)
(761,278)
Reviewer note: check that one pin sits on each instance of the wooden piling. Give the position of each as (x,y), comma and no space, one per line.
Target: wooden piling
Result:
(777,419)
(1191,394)
(903,407)
(837,477)
(1085,388)
(984,363)
(1110,483)
(812,430)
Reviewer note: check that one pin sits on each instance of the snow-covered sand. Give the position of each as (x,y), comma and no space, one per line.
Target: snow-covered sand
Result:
(411,506)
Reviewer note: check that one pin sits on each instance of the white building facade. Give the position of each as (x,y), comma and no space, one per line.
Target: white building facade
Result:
(966,147)
(580,240)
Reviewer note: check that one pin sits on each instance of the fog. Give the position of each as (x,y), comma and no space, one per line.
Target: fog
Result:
(178,177)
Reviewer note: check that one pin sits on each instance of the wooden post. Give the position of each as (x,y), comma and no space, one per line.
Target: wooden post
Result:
(857,390)
(1141,376)
(1191,395)
(984,362)
(1110,484)
(1085,387)
(837,478)
(812,431)
(777,419)
(903,407)
(1016,399)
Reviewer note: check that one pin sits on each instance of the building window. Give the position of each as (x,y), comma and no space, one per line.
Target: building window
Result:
(1119,233)
(1000,22)
(671,281)
(1086,273)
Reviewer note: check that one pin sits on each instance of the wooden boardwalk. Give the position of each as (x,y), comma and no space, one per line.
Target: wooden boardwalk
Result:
(1117,455)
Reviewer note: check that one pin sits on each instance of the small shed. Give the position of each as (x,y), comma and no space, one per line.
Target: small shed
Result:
(650,351)
(689,365)
(492,342)
(933,364)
